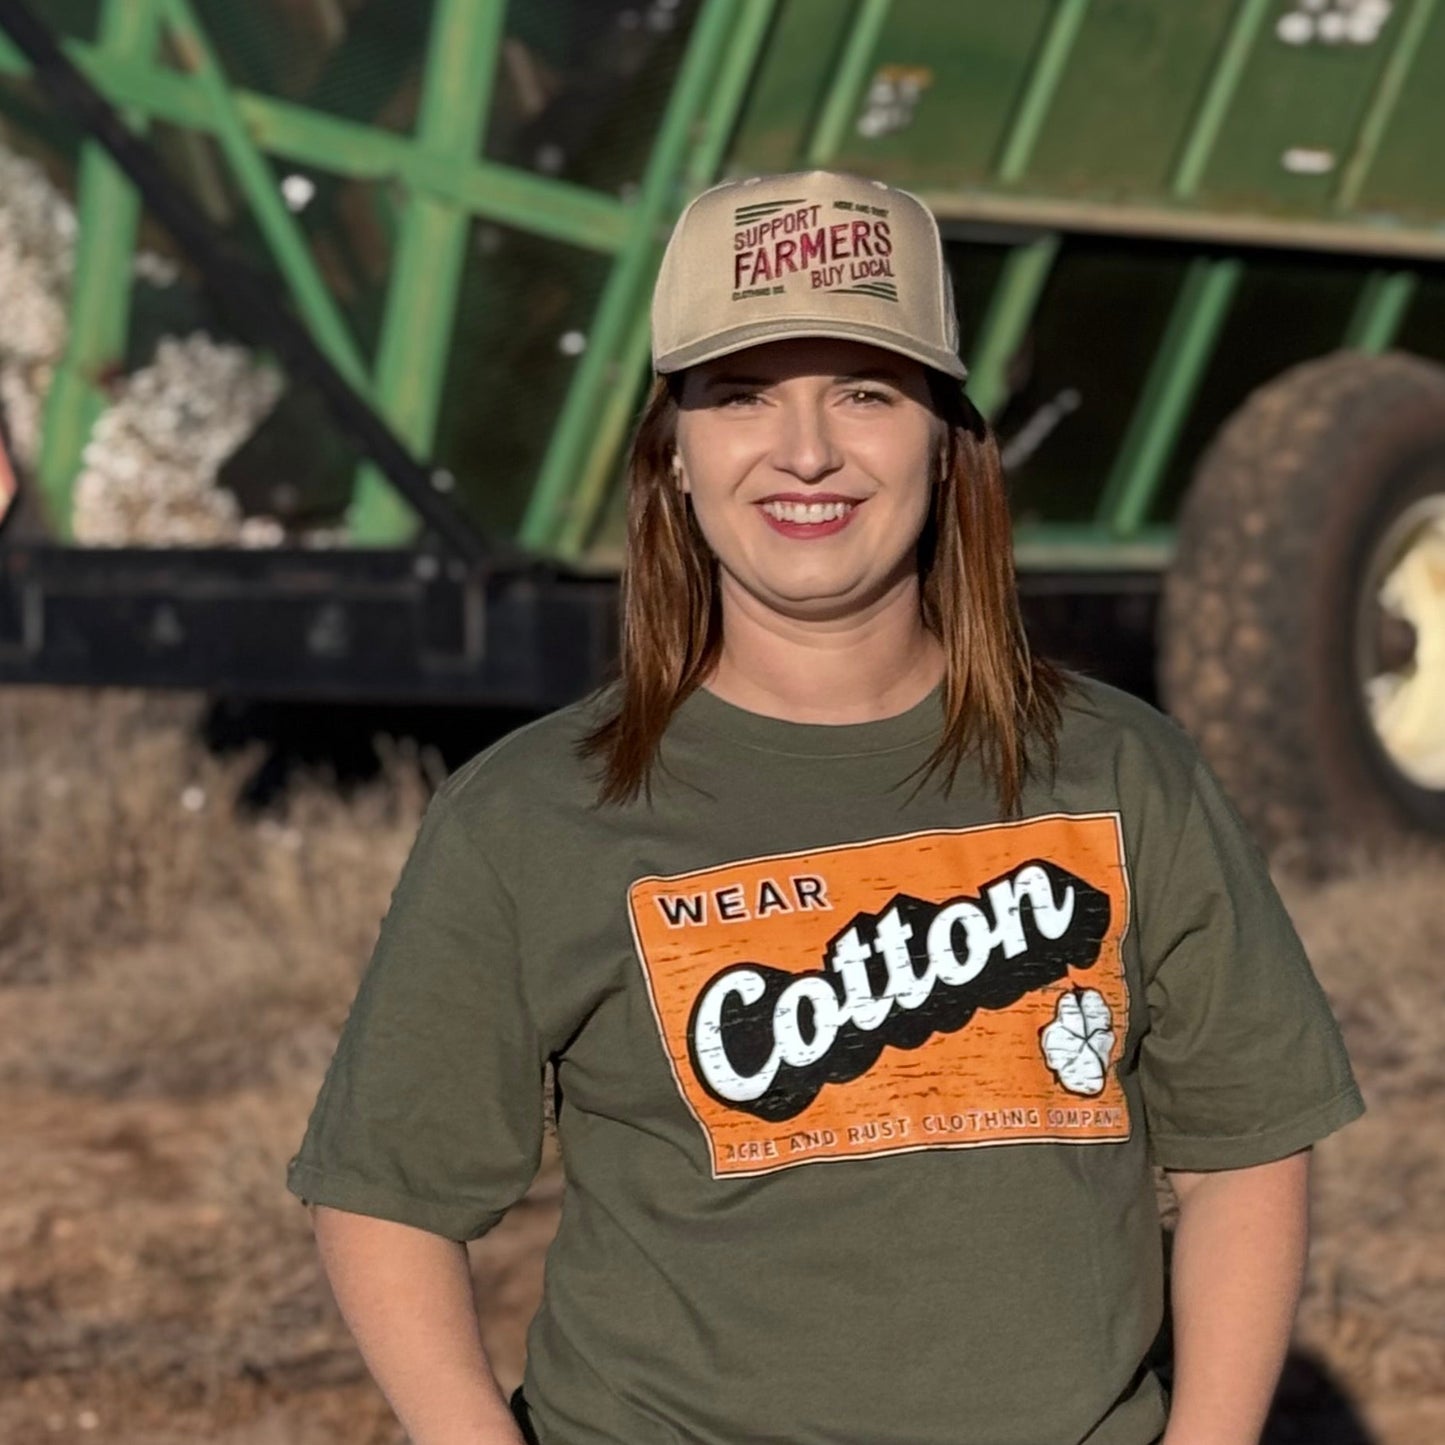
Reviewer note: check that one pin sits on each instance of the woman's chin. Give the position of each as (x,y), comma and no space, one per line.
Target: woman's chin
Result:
(823,600)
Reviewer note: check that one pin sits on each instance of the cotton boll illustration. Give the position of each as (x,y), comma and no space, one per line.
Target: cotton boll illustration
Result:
(1077,1044)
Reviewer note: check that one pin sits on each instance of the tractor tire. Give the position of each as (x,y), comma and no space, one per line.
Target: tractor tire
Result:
(1302,629)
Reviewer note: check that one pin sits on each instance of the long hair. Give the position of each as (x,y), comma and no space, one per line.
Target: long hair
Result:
(998,700)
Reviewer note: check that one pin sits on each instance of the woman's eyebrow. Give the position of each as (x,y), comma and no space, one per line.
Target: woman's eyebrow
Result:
(734,378)
(872,373)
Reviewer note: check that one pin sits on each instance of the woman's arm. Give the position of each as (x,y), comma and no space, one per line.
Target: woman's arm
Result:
(1239,1261)
(407,1297)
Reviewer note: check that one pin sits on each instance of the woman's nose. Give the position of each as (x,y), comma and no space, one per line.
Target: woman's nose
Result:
(805,445)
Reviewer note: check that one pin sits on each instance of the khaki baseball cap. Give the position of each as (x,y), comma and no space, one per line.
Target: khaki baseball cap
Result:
(811,253)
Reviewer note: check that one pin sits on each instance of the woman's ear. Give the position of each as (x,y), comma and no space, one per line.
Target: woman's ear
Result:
(678,475)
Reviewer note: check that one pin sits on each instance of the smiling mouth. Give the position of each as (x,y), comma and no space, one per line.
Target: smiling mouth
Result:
(802,514)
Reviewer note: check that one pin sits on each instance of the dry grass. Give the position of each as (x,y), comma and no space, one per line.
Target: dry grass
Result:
(1375,1306)
(116,829)
(174,980)
(171,981)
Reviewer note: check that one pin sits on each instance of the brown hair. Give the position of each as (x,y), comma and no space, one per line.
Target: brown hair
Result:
(997,697)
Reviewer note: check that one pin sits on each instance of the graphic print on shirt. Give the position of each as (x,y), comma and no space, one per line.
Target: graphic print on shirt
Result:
(947,989)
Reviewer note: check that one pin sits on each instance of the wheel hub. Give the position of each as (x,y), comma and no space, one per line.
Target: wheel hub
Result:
(1403,663)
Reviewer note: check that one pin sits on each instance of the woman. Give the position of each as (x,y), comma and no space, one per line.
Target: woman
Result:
(876,958)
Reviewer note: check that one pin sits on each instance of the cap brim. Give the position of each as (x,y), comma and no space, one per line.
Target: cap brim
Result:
(784,328)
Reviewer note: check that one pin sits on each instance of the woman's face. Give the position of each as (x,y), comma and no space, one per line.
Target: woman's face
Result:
(809,465)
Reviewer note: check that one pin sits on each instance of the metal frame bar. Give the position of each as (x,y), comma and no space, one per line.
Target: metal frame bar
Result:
(1169,389)
(729,90)
(588,494)
(1090,547)
(549,513)
(288,244)
(365,625)
(558,210)
(100,299)
(1380,310)
(1011,306)
(416,329)
(1043,84)
(1013,213)
(1223,81)
(1382,104)
(715,129)
(353,624)
(840,102)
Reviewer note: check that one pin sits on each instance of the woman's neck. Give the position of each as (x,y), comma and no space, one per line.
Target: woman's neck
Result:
(871,666)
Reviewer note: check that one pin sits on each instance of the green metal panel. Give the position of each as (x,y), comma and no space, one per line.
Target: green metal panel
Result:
(1043,84)
(972,61)
(100,302)
(1404,177)
(1220,90)
(1293,120)
(416,331)
(1390,86)
(786,91)
(1125,104)
(845,85)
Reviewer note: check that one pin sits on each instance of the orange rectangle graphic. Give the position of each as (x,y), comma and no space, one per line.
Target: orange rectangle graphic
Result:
(946,989)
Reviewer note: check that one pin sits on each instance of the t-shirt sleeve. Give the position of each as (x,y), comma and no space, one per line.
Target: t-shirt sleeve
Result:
(1242,1061)
(430,1113)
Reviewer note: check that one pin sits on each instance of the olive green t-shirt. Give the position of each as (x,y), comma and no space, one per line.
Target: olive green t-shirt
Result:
(860,1085)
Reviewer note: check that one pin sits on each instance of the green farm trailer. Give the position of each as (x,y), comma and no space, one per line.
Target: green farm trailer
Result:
(323,324)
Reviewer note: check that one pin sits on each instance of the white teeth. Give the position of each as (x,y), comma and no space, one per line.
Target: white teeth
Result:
(807,512)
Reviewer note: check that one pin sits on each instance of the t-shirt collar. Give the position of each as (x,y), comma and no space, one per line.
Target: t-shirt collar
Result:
(706,712)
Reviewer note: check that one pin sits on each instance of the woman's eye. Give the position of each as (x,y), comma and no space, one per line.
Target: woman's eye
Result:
(866,395)
(739,399)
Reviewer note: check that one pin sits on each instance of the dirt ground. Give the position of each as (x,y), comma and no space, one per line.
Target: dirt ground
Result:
(172,979)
